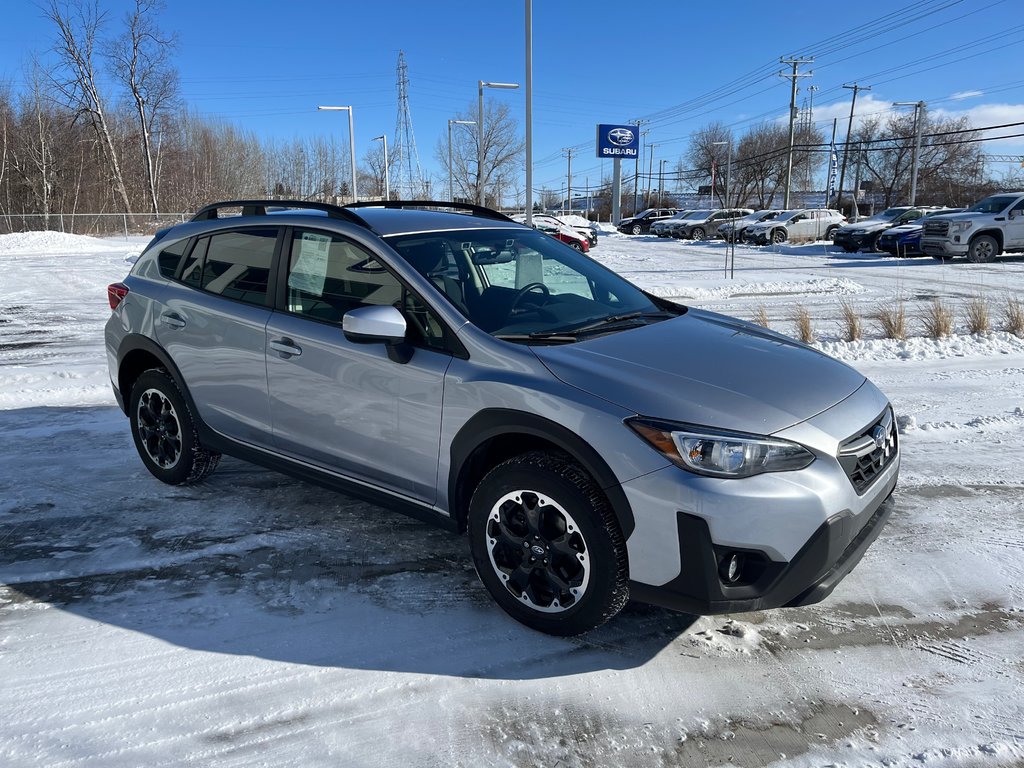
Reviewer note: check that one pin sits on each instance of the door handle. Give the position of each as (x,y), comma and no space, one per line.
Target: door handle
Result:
(172,320)
(285,347)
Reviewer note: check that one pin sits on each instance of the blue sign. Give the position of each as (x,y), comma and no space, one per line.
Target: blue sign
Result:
(618,141)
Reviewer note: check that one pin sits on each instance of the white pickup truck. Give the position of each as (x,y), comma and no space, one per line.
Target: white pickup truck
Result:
(988,228)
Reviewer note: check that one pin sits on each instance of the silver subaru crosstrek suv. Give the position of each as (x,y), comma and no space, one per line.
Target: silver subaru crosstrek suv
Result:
(596,443)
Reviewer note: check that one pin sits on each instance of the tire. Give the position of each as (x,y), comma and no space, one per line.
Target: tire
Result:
(778,236)
(830,233)
(982,249)
(546,544)
(577,246)
(164,432)
(637,229)
(698,233)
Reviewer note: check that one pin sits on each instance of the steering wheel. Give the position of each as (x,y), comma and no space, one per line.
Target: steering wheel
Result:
(545,293)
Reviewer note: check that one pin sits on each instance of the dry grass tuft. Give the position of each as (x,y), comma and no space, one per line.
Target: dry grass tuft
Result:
(979,318)
(851,326)
(761,317)
(1013,317)
(804,326)
(938,320)
(893,320)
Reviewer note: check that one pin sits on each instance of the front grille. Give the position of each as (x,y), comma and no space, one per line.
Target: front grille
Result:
(865,455)
(936,228)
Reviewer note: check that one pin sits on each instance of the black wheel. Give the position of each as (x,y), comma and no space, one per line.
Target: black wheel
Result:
(637,229)
(982,249)
(546,544)
(698,233)
(778,236)
(164,431)
(577,246)
(830,233)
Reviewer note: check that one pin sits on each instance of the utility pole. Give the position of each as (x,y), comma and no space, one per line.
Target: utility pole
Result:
(918,122)
(568,179)
(846,148)
(661,182)
(811,89)
(636,165)
(795,63)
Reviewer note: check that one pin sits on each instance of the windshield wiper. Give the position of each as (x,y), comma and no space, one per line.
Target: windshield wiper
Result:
(556,337)
(604,322)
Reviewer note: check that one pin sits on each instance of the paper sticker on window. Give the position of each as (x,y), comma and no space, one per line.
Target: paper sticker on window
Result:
(310,270)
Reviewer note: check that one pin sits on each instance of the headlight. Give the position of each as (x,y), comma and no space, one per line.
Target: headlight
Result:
(961,226)
(720,453)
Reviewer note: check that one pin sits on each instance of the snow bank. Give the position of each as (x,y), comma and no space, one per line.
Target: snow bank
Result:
(55,242)
(997,343)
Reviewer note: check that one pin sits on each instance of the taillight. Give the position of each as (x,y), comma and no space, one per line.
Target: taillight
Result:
(115,293)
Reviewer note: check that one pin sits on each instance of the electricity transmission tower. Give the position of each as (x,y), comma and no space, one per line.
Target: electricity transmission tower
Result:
(408,176)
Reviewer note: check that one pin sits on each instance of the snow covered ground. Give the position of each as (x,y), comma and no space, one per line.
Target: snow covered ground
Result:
(259,620)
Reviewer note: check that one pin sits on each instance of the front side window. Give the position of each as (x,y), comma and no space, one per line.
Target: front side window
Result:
(329,275)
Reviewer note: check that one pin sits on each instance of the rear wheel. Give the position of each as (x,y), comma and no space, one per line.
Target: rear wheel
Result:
(164,432)
(546,544)
(830,233)
(982,249)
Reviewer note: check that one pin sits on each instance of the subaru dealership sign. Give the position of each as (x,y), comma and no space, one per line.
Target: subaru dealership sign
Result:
(618,141)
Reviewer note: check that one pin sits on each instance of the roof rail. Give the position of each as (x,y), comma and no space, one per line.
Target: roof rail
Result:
(262,207)
(475,210)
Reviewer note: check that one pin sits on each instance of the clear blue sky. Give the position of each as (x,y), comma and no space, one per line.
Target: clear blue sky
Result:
(680,64)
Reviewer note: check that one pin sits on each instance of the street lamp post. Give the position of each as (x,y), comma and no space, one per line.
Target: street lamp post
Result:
(351,145)
(451,193)
(481,84)
(918,122)
(728,175)
(387,175)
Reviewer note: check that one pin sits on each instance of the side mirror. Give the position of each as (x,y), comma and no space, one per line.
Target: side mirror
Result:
(378,324)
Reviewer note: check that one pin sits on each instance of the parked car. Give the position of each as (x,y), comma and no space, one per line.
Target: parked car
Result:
(557,229)
(641,223)
(865,233)
(472,371)
(737,229)
(582,225)
(801,225)
(701,225)
(905,240)
(988,228)
(662,227)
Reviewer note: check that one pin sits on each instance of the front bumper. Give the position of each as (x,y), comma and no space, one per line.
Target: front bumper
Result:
(941,246)
(853,242)
(827,557)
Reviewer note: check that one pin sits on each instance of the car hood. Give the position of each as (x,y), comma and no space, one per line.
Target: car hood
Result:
(903,229)
(866,224)
(964,216)
(708,369)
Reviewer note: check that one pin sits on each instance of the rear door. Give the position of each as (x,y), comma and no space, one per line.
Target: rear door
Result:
(213,325)
(343,405)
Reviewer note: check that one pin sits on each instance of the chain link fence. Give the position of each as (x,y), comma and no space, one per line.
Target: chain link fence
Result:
(90,223)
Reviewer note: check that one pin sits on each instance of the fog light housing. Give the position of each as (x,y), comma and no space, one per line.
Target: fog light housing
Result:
(730,568)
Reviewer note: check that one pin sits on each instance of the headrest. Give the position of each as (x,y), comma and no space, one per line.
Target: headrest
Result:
(426,257)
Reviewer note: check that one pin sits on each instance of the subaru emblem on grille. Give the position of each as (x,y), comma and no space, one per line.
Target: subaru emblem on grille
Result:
(881,437)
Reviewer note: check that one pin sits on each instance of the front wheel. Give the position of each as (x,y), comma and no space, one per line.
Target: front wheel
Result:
(546,544)
(698,233)
(164,432)
(982,249)
(778,236)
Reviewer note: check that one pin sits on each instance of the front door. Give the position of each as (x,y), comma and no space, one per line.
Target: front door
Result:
(343,405)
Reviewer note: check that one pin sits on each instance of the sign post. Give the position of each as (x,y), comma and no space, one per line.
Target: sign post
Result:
(617,142)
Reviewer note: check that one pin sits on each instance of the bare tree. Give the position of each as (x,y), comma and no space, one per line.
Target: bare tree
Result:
(502,151)
(78,24)
(140,59)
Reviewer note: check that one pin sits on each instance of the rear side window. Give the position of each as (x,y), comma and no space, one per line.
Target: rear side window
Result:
(236,264)
(167,261)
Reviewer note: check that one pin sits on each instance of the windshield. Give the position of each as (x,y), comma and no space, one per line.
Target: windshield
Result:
(699,214)
(683,215)
(994,204)
(522,284)
(889,214)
